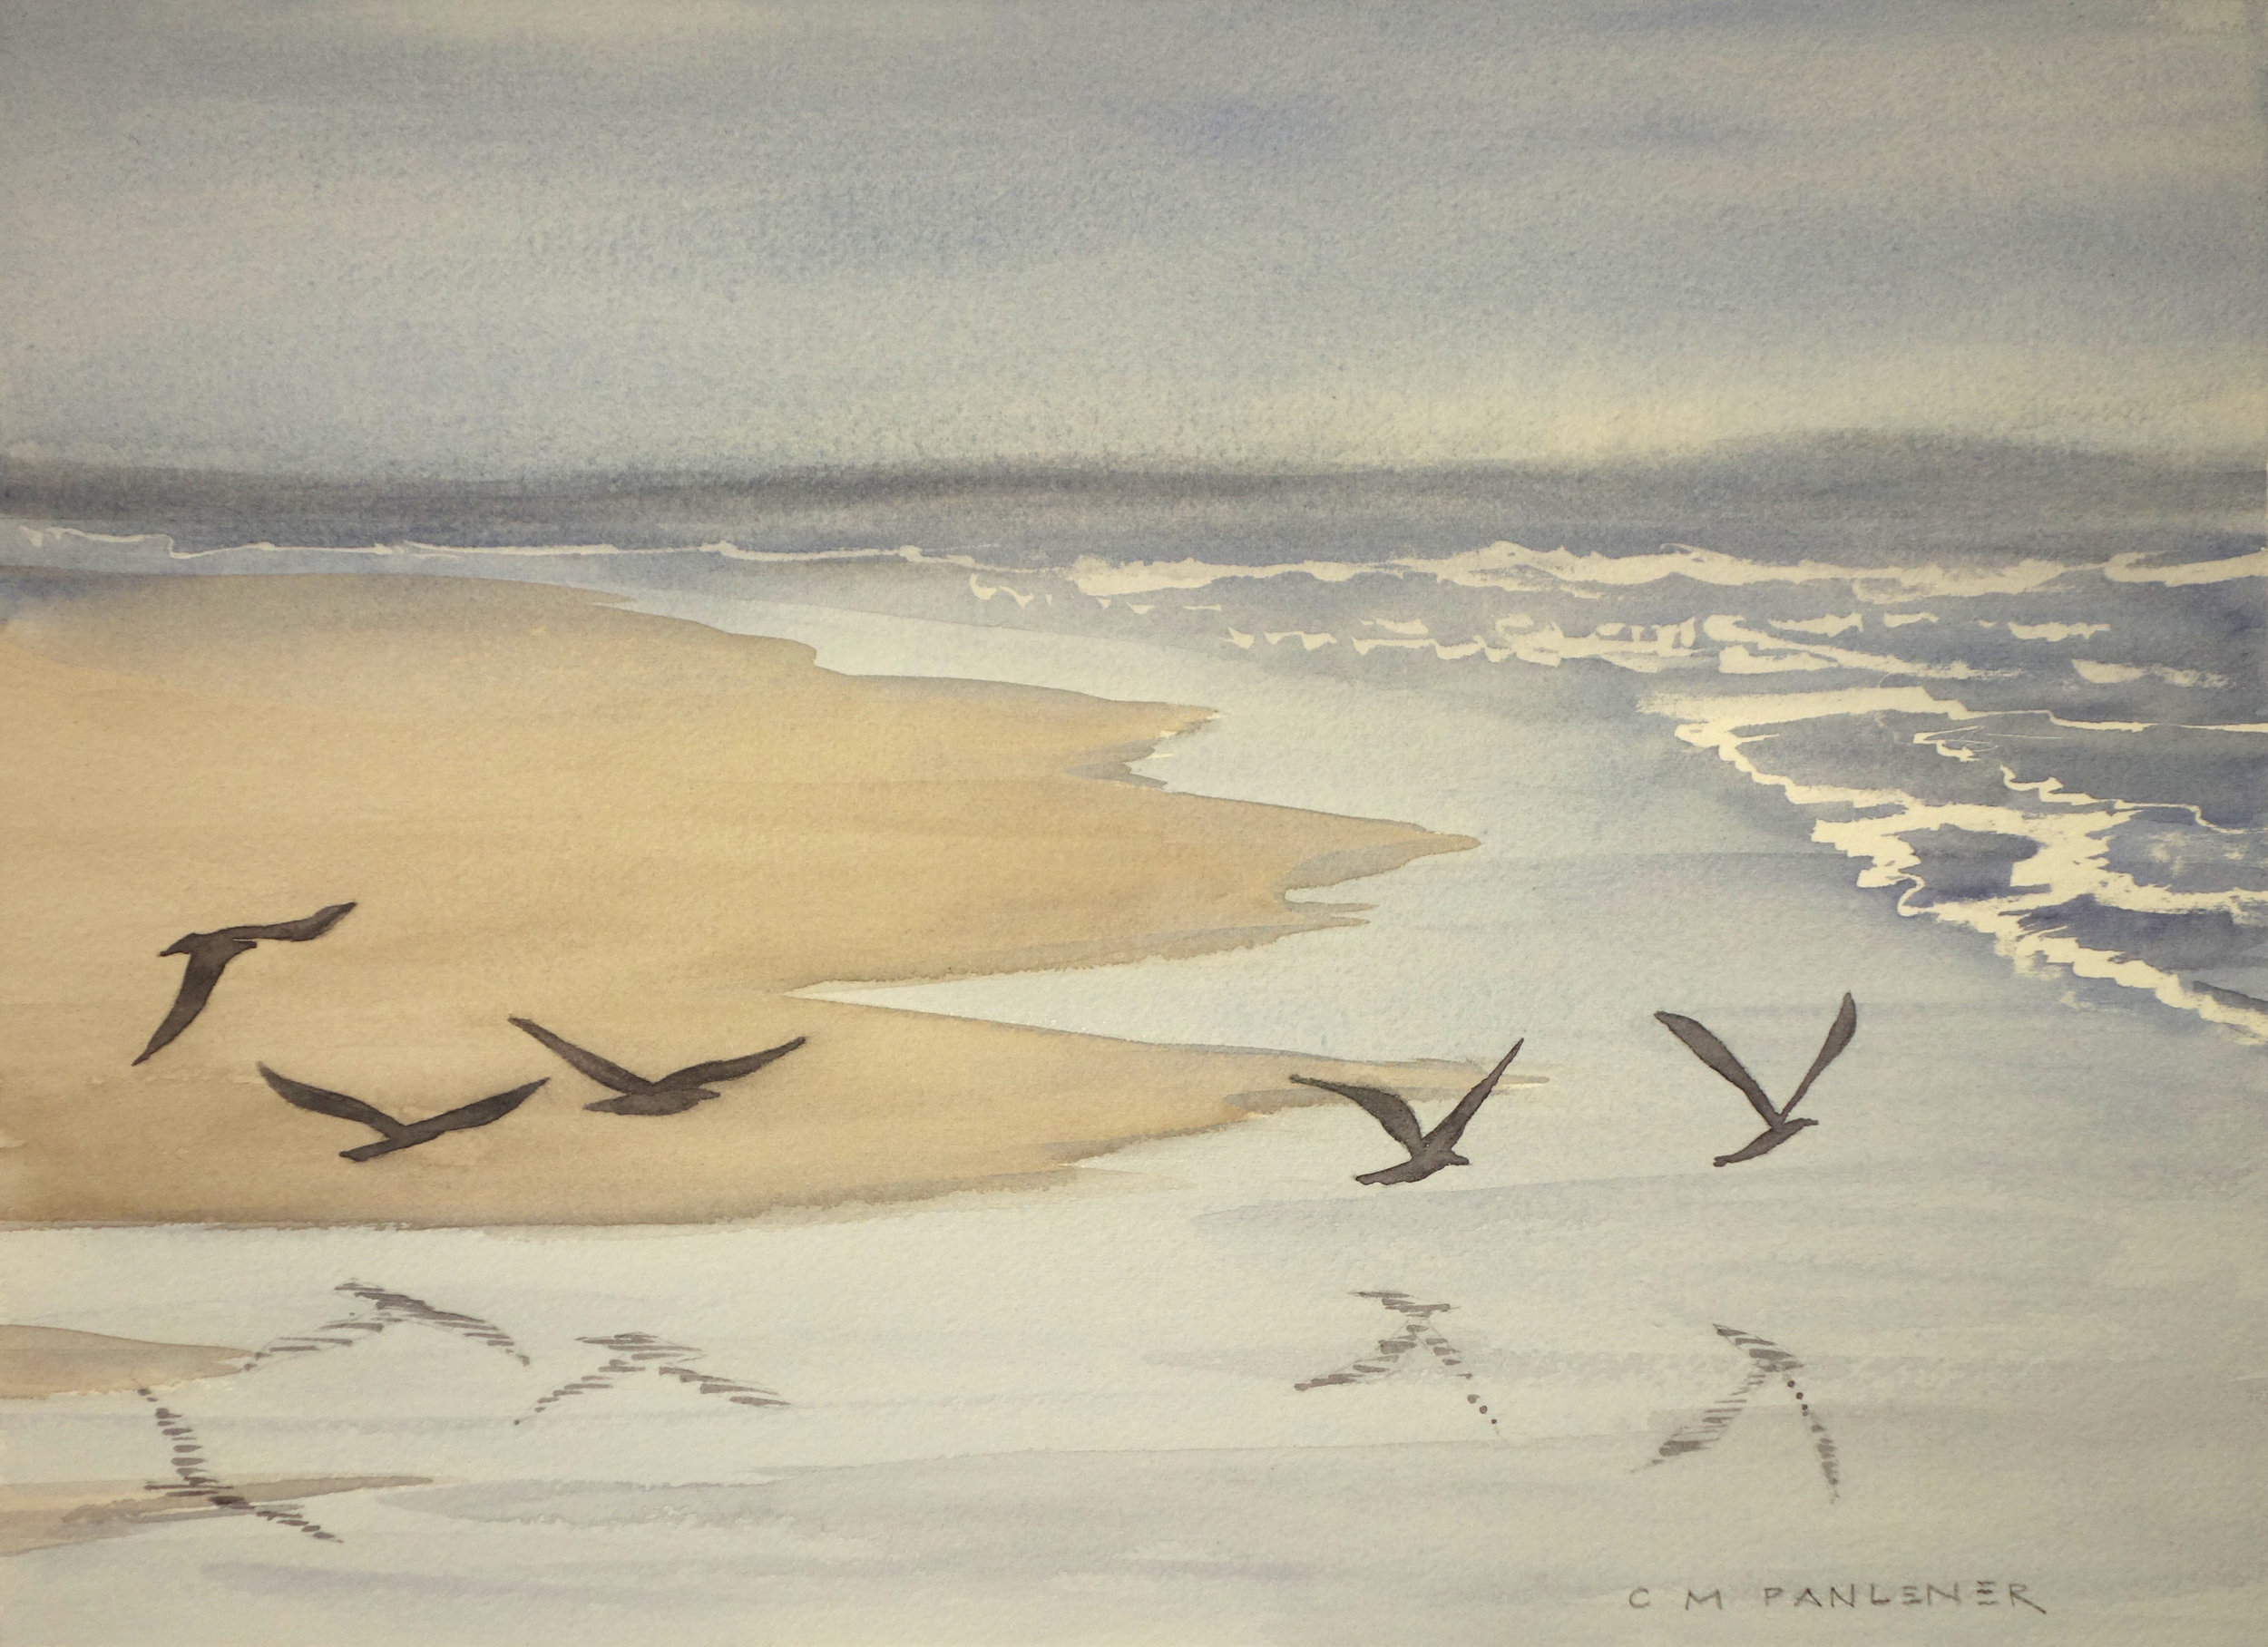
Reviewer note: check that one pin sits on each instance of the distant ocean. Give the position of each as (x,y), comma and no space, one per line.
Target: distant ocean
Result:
(2022,692)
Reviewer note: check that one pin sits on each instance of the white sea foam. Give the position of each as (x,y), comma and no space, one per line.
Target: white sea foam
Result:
(1095,576)
(985,591)
(1827,628)
(2129,569)
(1512,566)
(1646,649)
(40,536)
(1735,638)
(1515,568)
(2121,674)
(2069,832)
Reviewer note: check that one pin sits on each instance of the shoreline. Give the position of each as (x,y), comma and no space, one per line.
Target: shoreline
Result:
(534,773)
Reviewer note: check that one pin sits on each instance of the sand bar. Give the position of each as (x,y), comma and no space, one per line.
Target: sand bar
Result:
(55,1361)
(73,1512)
(641,832)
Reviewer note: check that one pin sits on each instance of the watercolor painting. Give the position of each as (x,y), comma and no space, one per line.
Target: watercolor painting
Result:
(884,825)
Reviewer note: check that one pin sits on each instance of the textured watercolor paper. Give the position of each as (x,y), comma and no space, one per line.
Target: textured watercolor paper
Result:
(880,825)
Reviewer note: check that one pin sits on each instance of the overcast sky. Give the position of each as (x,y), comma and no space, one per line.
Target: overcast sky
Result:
(479,236)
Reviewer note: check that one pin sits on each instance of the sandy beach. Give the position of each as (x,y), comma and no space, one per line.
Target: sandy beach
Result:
(641,832)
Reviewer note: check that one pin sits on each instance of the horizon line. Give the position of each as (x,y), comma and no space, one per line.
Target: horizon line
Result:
(28,462)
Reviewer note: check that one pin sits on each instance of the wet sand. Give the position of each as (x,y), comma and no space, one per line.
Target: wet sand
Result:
(53,1360)
(74,1512)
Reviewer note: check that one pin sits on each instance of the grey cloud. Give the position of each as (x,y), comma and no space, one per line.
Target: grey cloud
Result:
(358,238)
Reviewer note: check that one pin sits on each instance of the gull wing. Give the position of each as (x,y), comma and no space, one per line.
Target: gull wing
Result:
(1838,1034)
(335,1104)
(206,962)
(1719,1056)
(728,1070)
(1386,1107)
(294,931)
(1452,1125)
(589,1063)
(479,1113)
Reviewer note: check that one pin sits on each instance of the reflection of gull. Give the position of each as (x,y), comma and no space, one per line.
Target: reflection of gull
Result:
(640,1352)
(1766,1360)
(386,1309)
(1429,1152)
(395,1134)
(197,1481)
(679,1090)
(1417,1328)
(211,952)
(1778,1128)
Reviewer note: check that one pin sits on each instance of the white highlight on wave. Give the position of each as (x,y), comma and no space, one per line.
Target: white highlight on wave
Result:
(37,537)
(1826,628)
(1512,566)
(2128,568)
(2120,673)
(1645,648)
(2070,833)
(1735,638)
(723,548)
(985,591)
(1095,576)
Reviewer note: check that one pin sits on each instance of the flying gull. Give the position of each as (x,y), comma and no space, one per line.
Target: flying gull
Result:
(211,952)
(677,1091)
(397,1135)
(1429,1152)
(1778,1128)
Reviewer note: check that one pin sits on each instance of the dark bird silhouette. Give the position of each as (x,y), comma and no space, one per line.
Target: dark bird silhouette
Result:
(395,1134)
(1778,1128)
(680,1090)
(211,952)
(1429,1152)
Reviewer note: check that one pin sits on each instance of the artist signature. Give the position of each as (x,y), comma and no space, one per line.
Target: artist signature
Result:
(1834,1598)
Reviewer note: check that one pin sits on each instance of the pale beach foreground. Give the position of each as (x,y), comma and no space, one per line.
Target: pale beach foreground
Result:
(641,832)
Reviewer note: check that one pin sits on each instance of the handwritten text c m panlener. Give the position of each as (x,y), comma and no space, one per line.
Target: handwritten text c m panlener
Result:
(1859,1597)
